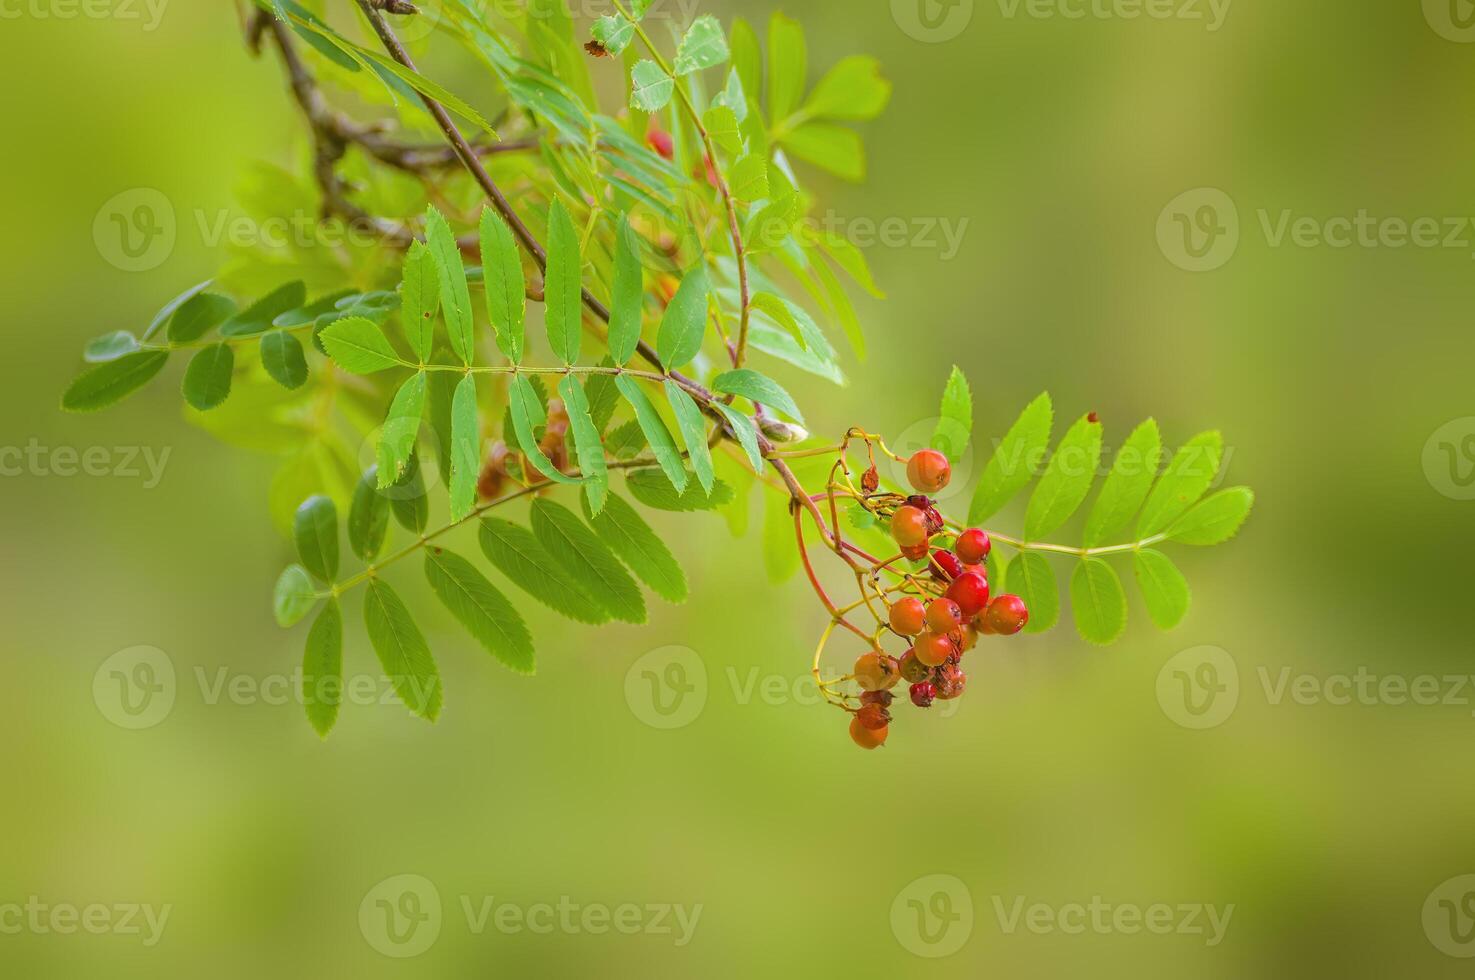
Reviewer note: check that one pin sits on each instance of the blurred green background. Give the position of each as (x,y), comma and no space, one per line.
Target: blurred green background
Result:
(1063,777)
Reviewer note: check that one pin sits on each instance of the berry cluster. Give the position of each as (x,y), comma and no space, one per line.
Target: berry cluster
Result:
(940,611)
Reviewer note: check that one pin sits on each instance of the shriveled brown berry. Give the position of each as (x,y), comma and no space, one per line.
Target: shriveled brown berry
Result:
(950,682)
(912,669)
(874,717)
(883,698)
(923,693)
(870,480)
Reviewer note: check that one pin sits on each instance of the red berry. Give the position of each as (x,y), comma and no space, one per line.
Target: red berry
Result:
(970,637)
(973,546)
(923,694)
(908,616)
(912,669)
(929,471)
(970,592)
(914,552)
(945,565)
(920,501)
(877,672)
(1007,615)
(909,527)
(944,616)
(934,650)
(950,682)
(661,142)
(874,717)
(980,623)
(865,737)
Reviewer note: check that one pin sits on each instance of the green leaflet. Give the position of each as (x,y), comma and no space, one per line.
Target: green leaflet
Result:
(357,345)
(853,90)
(721,122)
(836,149)
(587,560)
(627,534)
(506,285)
(788,67)
(592,465)
(440,392)
(685,322)
(315,529)
(1163,586)
(402,650)
(368,517)
(758,389)
(524,406)
(519,556)
(1098,601)
(693,426)
(626,442)
(653,488)
(260,314)
(628,295)
(955,421)
(1029,576)
(844,254)
(840,300)
(747,56)
(322,669)
(1067,479)
(113,381)
(110,347)
(293,597)
(284,359)
(563,296)
(485,612)
(1214,520)
(198,315)
(1185,480)
(781,313)
(162,317)
(455,294)
(208,377)
(704,46)
(746,432)
(614,33)
(650,87)
(401,430)
(1128,485)
(604,396)
(748,178)
(465,448)
(661,443)
(409,500)
(420,299)
(1011,466)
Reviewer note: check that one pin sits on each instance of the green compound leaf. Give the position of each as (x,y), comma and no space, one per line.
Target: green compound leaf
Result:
(455,294)
(955,421)
(284,359)
(465,448)
(1010,469)
(357,345)
(315,529)
(208,377)
(704,46)
(746,432)
(590,450)
(322,669)
(402,650)
(506,285)
(293,597)
(1030,577)
(368,517)
(758,389)
(519,556)
(259,315)
(482,609)
(1067,479)
(628,295)
(587,560)
(420,299)
(662,445)
(1185,480)
(654,489)
(1127,487)
(1098,601)
(198,315)
(693,426)
(1214,520)
(685,323)
(627,534)
(110,383)
(1164,588)
(563,301)
(401,429)
(650,87)
(524,405)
